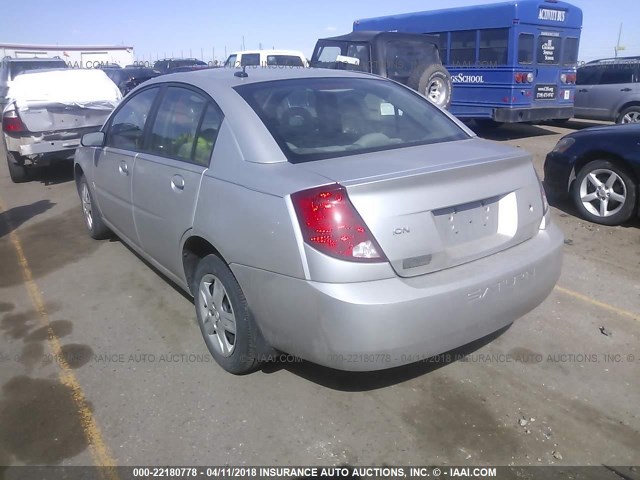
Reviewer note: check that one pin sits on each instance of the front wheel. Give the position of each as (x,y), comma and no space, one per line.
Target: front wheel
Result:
(434,82)
(224,318)
(604,193)
(629,115)
(92,216)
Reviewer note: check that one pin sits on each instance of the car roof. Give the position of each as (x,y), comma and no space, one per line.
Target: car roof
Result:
(213,79)
(269,52)
(369,35)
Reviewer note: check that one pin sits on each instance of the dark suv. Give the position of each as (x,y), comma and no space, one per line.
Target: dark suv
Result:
(407,58)
(168,65)
(11,67)
(609,90)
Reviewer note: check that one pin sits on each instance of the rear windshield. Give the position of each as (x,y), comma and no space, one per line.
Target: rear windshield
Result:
(20,67)
(319,118)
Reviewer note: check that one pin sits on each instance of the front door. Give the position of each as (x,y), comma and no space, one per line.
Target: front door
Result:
(114,163)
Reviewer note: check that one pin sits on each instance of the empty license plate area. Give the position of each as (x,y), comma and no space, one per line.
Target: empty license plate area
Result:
(468,222)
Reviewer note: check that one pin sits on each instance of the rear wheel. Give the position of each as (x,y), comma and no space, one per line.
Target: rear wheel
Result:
(630,115)
(604,193)
(432,81)
(18,172)
(224,318)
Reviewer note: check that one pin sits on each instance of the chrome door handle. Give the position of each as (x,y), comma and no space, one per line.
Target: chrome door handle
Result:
(625,89)
(177,182)
(583,90)
(124,168)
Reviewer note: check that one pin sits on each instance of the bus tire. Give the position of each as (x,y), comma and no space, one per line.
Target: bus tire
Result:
(432,81)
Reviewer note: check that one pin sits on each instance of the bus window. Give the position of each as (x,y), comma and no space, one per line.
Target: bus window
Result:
(463,48)
(570,52)
(494,46)
(525,49)
(548,50)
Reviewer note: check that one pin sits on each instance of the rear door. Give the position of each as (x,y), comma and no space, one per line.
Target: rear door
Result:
(615,87)
(113,164)
(167,176)
(587,78)
(546,90)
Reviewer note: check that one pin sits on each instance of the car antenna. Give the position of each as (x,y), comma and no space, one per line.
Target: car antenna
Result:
(243,73)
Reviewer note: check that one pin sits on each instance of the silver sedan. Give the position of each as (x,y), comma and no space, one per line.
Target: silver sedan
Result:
(335,216)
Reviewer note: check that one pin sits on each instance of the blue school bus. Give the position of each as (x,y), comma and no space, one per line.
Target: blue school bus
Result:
(509,62)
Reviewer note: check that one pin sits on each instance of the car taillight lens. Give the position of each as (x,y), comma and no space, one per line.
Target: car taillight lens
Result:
(330,224)
(571,78)
(530,77)
(563,78)
(11,122)
(519,77)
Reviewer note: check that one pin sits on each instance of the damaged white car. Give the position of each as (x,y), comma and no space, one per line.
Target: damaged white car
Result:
(49,111)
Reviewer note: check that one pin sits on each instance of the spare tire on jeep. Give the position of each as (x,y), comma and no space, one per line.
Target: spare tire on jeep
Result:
(433,81)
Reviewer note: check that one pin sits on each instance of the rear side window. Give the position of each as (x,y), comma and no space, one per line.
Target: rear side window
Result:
(549,50)
(525,49)
(403,56)
(494,46)
(463,48)
(127,126)
(176,123)
(617,74)
(318,118)
(207,135)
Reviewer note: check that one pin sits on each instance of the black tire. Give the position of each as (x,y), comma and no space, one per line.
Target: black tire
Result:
(96,227)
(624,186)
(633,112)
(18,172)
(424,76)
(243,357)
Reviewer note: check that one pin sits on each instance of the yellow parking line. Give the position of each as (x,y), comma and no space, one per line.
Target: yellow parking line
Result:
(605,306)
(99,450)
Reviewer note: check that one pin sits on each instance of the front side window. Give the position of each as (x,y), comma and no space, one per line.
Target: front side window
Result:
(525,48)
(343,56)
(231,61)
(345,116)
(250,59)
(494,46)
(284,61)
(589,75)
(174,128)
(126,129)
(463,48)
(549,50)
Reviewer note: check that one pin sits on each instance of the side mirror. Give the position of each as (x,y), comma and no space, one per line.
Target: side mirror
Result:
(93,139)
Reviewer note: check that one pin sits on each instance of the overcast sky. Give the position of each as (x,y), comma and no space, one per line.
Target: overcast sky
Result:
(201,27)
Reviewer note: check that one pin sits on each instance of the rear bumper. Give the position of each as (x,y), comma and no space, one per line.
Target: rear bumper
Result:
(60,144)
(514,115)
(386,323)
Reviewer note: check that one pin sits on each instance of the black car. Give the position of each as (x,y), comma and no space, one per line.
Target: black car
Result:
(168,65)
(129,77)
(600,169)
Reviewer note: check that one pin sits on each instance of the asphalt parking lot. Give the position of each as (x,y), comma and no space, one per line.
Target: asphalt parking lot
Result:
(102,362)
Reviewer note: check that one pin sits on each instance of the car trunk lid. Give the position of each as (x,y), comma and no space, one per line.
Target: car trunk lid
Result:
(438,206)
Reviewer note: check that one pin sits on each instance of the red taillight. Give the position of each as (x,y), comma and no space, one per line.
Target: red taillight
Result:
(330,223)
(11,122)
(571,78)
(520,77)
